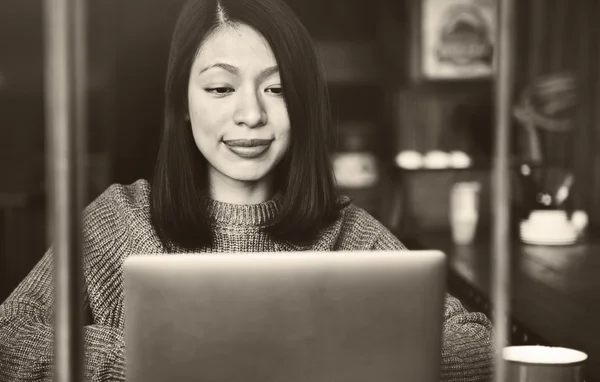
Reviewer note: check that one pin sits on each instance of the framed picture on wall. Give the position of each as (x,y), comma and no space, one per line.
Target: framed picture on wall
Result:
(456,39)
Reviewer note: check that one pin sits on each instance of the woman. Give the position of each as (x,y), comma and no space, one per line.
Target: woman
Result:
(243,166)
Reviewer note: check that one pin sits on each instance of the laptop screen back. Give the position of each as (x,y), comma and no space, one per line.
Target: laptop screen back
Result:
(290,317)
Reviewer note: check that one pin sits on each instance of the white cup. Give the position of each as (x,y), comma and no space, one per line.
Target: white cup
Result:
(544,364)
(463,230)
(464,211)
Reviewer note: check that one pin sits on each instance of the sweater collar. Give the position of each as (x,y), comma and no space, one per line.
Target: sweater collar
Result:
(259,215)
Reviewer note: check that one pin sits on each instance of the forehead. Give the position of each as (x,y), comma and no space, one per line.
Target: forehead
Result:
(237,45)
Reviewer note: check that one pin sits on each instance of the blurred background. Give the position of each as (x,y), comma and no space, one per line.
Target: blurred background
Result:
(409,128)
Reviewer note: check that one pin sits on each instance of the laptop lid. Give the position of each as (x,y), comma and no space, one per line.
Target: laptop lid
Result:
(289,317)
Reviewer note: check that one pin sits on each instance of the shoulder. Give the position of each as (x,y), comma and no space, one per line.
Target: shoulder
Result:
(136,194)
(117,209)
(360,230)
(120,199)
(356,218)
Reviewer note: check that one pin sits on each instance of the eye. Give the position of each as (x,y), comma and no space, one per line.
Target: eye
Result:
(277,90)
(220,91)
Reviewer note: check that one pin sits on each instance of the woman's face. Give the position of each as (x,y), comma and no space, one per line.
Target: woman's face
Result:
(238,115)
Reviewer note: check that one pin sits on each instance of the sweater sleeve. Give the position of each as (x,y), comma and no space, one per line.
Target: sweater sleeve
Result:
(467,342)
(27,315)
(26,334)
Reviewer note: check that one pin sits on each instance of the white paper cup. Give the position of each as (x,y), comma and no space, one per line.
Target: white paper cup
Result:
(544,364)
(464,211)
(463,229)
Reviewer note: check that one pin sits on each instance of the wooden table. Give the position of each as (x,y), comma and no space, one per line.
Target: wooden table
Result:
(555,298)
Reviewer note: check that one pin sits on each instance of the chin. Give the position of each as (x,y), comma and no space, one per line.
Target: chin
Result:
(247,175)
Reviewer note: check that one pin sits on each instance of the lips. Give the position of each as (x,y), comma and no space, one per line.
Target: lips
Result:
(248,148)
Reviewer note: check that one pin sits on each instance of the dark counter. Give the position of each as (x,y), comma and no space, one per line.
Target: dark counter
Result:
(555,291)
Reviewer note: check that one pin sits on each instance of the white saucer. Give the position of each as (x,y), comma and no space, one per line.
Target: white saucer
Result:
(540,232)
(549,237)
(547,242)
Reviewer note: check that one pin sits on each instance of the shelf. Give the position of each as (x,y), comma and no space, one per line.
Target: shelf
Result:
(449,169)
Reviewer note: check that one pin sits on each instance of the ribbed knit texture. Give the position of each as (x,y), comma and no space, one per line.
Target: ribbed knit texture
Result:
(117,224)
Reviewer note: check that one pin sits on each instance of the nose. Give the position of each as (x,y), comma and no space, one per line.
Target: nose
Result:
(250,110)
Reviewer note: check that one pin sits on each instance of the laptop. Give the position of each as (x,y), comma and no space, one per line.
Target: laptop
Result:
(285,317)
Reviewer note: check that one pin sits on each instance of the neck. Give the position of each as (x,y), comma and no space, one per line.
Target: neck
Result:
(227,190)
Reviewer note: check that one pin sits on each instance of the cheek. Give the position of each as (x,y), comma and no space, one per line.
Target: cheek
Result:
(286,134)
(206,119)
(195,105)
(281,123)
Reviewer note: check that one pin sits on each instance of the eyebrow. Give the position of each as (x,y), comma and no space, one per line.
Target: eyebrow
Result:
(235,71)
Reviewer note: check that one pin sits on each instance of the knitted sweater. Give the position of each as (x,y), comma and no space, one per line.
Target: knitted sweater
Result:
(118,224)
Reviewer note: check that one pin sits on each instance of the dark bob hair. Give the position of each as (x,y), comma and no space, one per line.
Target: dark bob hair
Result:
(304,176)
